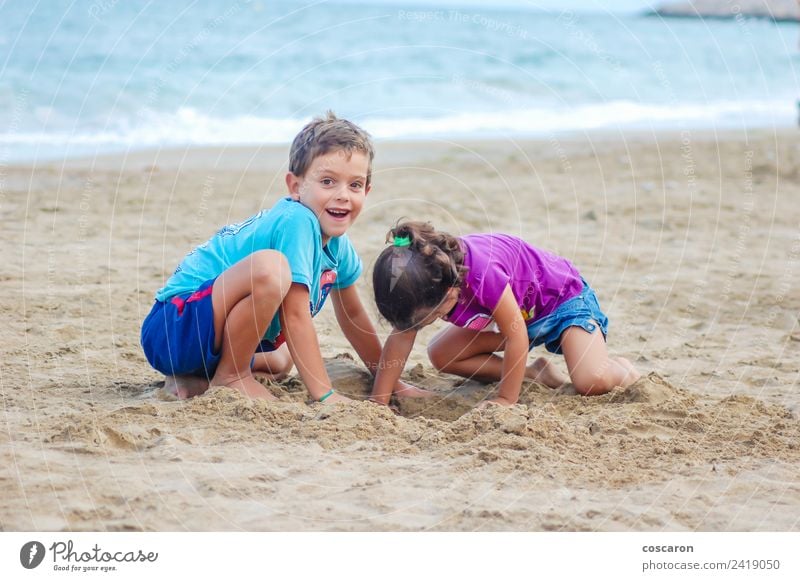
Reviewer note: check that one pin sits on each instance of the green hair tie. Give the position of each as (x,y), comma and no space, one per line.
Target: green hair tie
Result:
(402,241)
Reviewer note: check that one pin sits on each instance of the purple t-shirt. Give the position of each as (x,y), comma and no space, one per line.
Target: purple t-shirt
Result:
(539,279)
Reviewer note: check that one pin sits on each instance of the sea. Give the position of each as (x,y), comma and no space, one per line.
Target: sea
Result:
(88,77)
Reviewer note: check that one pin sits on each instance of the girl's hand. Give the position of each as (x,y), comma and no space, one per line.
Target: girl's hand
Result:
(407,390)
(501,401)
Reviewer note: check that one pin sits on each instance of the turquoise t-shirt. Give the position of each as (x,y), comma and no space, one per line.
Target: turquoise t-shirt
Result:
(288,227)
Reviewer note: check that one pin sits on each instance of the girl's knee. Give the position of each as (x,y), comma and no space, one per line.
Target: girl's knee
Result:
(595,382)
(439,356)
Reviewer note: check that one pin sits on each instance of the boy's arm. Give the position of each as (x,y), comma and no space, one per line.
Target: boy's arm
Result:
(303,343)
(511,324)
(393,359)
(357,326)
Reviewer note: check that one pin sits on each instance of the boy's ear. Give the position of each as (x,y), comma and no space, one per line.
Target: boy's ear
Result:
(367,189)
(293,185)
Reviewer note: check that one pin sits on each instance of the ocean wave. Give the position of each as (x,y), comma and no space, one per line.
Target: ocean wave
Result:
(612,115)
(188,126)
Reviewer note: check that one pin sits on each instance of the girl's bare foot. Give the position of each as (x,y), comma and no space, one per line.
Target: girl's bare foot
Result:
(408,390)
(543,371)
(633,375)
(185,386)
(497,401)
(245,385)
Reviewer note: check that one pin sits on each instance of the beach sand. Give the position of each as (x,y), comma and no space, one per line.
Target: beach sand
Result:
(692,242)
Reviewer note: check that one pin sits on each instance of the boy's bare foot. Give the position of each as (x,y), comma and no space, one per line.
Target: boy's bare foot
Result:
(246,385)
(633,375)
(543,371)
(185,386)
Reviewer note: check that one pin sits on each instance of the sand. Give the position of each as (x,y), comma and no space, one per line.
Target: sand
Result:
(692,242)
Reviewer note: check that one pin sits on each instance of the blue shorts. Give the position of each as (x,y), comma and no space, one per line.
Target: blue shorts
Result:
(178,335)
(580,311)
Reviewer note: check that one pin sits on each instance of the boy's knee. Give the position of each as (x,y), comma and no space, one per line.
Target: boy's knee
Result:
(283,367)
(279,368)
(282,360)
(270,273)
(278,364)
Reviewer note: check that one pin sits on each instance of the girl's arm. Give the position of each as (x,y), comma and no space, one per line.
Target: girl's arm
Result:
(512,326)
(393,359)
(359,331)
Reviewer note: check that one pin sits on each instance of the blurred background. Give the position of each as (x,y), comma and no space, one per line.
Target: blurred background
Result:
(85,77)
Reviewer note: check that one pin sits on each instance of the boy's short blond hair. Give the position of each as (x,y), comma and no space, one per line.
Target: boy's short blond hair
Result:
(325,134)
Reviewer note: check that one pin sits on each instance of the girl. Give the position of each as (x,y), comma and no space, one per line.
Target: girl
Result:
(499,294)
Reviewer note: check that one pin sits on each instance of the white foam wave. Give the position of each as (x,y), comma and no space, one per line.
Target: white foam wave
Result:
(612,115)
(188,126)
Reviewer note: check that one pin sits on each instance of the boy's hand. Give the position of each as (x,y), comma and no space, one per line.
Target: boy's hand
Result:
(501,401)
(336,397)
(404,389)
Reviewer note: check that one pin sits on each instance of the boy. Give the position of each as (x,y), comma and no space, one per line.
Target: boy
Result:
(245,299)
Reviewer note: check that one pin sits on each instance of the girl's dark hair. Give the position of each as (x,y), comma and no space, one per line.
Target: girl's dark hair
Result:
(417,276)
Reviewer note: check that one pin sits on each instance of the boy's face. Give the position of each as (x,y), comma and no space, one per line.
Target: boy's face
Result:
(334,188)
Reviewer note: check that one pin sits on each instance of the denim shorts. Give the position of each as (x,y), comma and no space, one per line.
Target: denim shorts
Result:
(581,311)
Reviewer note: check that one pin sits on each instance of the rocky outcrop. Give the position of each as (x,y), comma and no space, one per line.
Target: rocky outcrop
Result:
(780,10)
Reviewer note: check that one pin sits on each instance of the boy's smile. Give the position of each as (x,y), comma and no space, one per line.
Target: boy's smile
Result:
(334,188)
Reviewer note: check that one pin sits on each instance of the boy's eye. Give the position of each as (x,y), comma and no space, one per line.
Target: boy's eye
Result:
(327,181)
(356,185)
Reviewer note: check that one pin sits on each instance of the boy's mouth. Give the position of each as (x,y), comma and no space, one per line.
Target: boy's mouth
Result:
(338,214)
